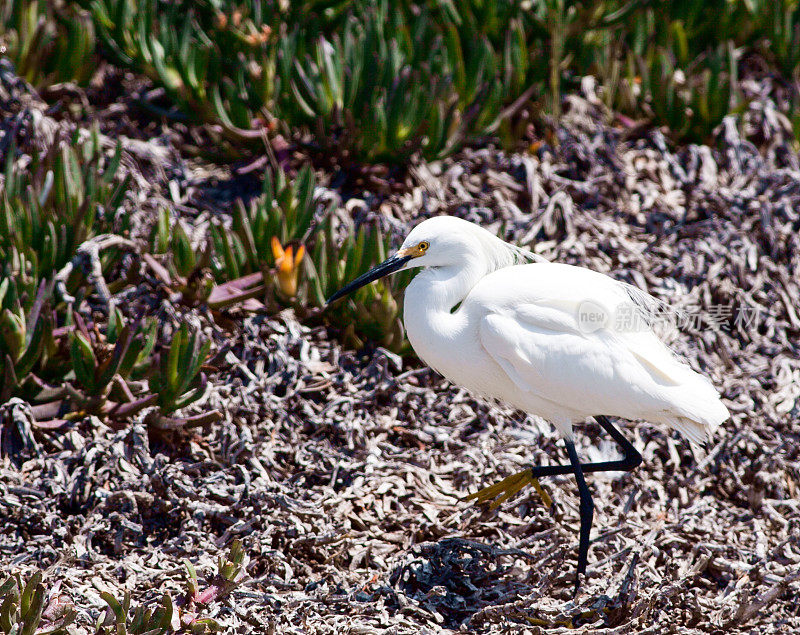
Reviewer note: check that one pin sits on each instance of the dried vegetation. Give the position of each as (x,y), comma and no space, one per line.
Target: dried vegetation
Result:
(340,465)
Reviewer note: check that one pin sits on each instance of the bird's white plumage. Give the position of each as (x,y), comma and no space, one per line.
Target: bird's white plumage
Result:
(513,332)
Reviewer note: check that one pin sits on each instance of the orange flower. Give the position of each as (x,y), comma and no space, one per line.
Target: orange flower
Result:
(287,263)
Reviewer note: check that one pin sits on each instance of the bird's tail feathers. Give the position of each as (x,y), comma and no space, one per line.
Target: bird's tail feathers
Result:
(698,433)
(702,417)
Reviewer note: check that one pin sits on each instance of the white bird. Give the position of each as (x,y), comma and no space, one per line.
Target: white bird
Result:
(554,340)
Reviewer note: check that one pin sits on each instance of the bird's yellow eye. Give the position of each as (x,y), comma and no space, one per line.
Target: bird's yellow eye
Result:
(423,246)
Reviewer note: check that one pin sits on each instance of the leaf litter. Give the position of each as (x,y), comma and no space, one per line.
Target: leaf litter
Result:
(343,472)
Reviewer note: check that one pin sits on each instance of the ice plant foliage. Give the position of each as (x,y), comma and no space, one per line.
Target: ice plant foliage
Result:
(27,608)
(48,41)
(379,85)
(56,249)
(183,615)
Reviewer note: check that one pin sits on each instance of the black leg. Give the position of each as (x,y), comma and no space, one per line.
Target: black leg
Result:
(509,486)
(630,460)
(587,512)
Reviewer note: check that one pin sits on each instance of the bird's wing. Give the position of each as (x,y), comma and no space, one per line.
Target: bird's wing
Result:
(530,327)
(544,354)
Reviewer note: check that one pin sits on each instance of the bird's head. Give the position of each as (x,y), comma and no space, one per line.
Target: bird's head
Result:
(441,241)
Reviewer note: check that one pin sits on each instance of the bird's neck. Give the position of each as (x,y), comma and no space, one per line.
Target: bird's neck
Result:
(441,289)
(433,325)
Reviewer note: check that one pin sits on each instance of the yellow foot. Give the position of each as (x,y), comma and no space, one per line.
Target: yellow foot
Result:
(507,488)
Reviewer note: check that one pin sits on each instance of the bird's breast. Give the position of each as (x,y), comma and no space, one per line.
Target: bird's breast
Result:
(448,340)
(449,343)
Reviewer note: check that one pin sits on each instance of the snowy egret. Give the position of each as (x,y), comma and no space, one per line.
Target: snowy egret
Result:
(546,338)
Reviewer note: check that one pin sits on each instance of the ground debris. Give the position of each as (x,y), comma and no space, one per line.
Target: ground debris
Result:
(454,578)
(343,474)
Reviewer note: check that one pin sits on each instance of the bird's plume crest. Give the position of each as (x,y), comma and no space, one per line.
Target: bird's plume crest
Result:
(501,254)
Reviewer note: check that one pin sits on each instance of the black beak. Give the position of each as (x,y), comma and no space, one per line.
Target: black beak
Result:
(390,265)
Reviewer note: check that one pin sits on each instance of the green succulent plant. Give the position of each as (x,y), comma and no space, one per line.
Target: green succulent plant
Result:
(195,50)
(781,36)
(25,337)
(231,571)
(179,380)
(183,615)
(65,200)
(186,270)
(140,621)
(48,42)
(48,210)
(373,84)
(25,609)
(693,102)
(373,312)
(286,210)
(249,261)
(391,85)
(103,367)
